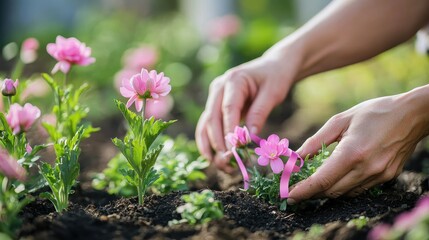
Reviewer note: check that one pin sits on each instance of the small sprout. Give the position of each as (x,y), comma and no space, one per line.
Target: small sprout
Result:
(199,208)
(359,222)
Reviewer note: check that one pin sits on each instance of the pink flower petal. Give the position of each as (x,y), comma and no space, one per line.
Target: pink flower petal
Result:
(273,138)
(276,165)
(263,161)
(131,101)
(139,104)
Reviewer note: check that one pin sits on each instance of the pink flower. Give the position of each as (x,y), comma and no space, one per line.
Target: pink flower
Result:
(10,167)
(407,220)
(240,137)
(224,27)
(145,85)
(29,50)
(138,58)
(69,51)
(30,44)
(379,232)
(36,88)
(21,119)
(9,87)
(270,151)
(123,75)
(159,108)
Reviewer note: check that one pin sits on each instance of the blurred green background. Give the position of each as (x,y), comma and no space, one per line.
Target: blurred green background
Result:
(194,41)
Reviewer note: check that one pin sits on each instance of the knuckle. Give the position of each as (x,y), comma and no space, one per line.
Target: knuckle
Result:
(324,183)
(378,169)
(234,74)
(357,154)
(336,119)
(229,107)
(216,84)
(258,112)
(388,175)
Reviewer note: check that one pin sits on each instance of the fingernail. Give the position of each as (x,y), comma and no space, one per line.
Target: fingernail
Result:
(291,201)
(253,129)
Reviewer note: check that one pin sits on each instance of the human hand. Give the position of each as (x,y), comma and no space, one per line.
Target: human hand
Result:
(248,91)
(375,138)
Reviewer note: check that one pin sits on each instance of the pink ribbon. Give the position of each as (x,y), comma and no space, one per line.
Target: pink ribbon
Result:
(242,168)
(290,167)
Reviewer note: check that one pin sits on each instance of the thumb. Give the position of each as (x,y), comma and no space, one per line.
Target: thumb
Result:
(259,110)
(329,133)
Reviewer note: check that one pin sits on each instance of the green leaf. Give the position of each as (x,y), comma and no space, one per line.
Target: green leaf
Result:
(129,116)
(150,158)
(52,131)
(130,176)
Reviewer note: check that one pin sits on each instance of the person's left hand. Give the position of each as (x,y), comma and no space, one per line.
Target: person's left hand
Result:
(375,139)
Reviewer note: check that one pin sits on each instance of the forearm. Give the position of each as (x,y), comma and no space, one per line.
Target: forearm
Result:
(349,31)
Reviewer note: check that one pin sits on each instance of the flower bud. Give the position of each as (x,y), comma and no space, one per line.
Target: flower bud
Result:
(9,87)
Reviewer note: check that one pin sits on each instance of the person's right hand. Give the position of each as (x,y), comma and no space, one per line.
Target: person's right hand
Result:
(249,91)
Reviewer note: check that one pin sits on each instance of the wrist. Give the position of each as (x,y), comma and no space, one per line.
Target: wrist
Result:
(287,55)
(417,102)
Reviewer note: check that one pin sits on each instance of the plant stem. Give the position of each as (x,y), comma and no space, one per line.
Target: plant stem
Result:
(17,71)
(140,190)
(144,109)
(9,100)
(246,153)
(65,79)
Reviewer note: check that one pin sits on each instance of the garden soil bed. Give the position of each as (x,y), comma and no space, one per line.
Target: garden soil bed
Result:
(97,215)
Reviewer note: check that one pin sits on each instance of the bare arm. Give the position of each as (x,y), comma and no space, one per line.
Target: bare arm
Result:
(350,31)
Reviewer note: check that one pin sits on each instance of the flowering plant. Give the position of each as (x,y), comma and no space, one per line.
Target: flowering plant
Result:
(138,145)
(411,225)
(11,198)
(17,156)
(68,129)
(282,160)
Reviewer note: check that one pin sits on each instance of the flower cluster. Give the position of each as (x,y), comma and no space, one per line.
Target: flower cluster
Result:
(270,152)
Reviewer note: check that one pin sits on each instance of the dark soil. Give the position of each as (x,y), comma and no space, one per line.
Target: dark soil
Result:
(97,215)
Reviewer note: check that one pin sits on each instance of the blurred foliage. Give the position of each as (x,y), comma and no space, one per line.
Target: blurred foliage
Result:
(315,232)
(193,62)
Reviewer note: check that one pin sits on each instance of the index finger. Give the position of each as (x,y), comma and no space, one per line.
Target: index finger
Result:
(234,97)
(332,171)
